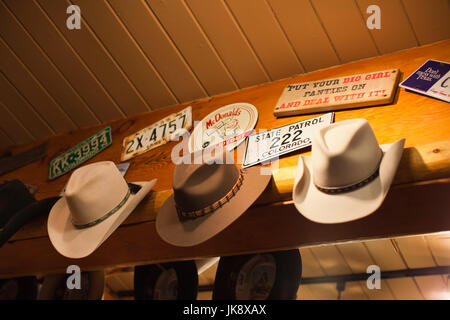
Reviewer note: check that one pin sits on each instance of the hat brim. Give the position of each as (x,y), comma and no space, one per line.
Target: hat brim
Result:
(190,232)
(23,216)
(287,278)
(76,243)
(321,207)
(51,283)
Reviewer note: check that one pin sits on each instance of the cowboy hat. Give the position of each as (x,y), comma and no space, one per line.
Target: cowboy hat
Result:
(262,276)
(167,281)
(54,287)
(207,198)
(18,206)
(348,174)
(97,200)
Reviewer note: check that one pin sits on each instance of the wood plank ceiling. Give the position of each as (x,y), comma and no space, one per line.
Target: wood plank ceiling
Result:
(131,57)
(402,253)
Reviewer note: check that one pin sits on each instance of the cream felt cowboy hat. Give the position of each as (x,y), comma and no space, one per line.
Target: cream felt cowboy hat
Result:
(207,198)
(348,175)
(96,201)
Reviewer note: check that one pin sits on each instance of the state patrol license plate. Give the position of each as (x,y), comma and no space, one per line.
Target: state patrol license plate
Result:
(80,153)
(156,134)
(267,145)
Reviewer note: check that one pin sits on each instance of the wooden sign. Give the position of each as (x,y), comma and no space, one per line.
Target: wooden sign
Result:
(360,90)
(157,134)
(80,153)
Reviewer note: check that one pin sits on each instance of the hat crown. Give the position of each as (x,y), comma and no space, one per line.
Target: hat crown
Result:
(94,190)
(196,186)
(344,153)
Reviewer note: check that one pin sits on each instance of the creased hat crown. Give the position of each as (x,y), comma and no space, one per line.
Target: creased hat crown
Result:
(345,153)
(196,186)
(94,190)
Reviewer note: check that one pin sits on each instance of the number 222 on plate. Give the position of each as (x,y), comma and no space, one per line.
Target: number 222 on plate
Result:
(267,145)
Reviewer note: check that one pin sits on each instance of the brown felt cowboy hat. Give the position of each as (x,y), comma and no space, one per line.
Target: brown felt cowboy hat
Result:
(207,198)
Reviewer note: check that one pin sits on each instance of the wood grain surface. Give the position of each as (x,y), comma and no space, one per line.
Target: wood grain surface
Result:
(415,204)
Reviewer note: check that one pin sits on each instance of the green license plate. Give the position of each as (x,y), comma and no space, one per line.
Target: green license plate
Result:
(80,153)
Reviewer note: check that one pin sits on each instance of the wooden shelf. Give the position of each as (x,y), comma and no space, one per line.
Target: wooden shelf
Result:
(418,202)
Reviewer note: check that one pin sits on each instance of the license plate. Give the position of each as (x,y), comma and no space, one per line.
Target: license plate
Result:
(80,153)
(267,145)
(156,134)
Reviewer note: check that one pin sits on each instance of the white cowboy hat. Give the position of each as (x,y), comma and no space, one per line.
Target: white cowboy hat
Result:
(348,175)
(97,200)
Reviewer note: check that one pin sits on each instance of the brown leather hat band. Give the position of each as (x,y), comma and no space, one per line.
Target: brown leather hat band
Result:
(216,205)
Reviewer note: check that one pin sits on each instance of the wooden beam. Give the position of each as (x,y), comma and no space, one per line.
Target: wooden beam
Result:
(421,163)
(415,209)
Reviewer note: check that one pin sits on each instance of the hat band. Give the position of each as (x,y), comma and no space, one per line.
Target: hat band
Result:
(107,215)
(349,188)
(216,205)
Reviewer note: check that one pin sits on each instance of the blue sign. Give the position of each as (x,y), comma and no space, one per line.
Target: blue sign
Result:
(431,79)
